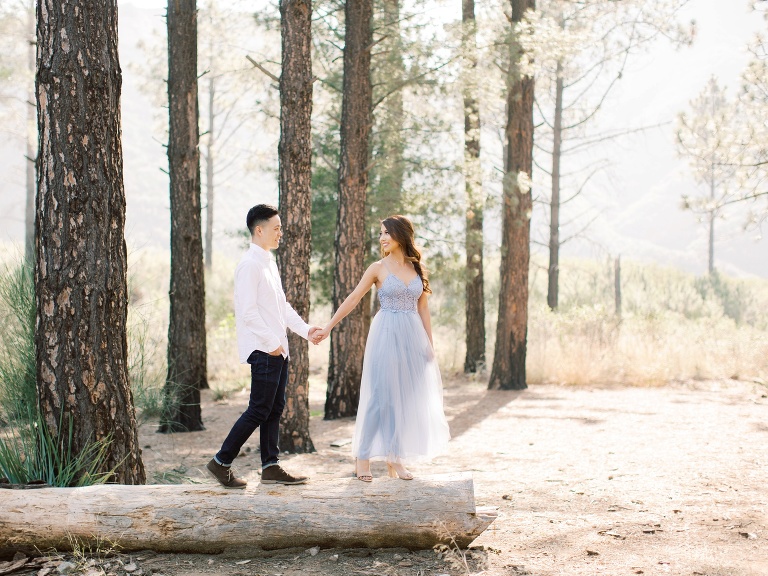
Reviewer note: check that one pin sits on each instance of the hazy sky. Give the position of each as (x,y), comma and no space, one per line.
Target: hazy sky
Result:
(640,215)
(657,87)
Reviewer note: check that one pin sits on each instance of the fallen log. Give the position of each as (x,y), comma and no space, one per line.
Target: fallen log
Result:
(206,518)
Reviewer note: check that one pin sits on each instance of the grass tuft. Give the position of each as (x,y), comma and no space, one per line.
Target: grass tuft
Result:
(18,394)
(31,453)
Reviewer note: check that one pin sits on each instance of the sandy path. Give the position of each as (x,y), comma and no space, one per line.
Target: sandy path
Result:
(670,480)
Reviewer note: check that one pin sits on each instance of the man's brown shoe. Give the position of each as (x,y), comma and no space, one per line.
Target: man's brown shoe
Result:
(225,475)
(276,475)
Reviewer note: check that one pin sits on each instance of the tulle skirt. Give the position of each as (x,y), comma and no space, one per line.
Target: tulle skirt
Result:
(400,415)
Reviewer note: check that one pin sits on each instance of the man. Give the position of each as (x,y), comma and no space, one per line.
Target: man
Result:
(262,315)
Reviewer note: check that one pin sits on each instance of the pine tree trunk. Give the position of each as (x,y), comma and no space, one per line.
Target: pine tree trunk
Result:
(80,261)
(474,283)
(295,152)
(209,159)
(186,331)
(345,365)
(508,371)
(554,204)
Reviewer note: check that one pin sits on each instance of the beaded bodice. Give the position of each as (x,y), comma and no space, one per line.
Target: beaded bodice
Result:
(396,296)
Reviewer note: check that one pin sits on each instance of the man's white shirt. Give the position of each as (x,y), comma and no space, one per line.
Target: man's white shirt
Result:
(262,313)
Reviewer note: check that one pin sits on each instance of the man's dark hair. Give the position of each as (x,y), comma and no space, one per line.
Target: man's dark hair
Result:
(258,215)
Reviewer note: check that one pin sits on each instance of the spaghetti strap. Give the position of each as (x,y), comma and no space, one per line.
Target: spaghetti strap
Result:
(385,266)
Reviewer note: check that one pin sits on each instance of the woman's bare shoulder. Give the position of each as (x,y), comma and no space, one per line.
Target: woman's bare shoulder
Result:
(374,269)
(377,271)
(378,265)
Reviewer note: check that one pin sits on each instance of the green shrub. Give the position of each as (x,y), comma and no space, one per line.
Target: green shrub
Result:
(30,453)
(735,298)
(18,396)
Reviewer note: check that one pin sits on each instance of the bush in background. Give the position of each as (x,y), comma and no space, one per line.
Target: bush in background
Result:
(674,325)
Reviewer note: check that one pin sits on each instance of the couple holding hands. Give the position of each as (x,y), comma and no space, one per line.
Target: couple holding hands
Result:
(400,416)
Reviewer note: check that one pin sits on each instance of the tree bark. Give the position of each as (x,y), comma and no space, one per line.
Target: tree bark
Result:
(295,153)
(80,257)
(209,519)
(187,372)
(508,371)
(554,203)
(345,365)
(474,359)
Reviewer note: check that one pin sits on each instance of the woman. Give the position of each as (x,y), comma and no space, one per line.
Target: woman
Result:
(400,415)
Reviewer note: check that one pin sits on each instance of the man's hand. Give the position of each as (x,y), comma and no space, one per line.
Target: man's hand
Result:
(277,352)
(318,334)
(314,335)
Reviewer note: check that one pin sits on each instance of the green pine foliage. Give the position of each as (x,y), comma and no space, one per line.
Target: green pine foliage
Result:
(412,169)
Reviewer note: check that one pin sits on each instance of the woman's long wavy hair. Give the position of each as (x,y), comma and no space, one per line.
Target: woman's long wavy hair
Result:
(401,229)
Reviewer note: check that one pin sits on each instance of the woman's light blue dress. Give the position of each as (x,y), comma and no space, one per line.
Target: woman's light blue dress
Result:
(400,415)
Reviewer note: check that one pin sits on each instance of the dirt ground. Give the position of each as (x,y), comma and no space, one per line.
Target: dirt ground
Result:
(670,480)
(599,480)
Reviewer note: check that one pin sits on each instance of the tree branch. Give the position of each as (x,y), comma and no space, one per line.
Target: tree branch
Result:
(264,70)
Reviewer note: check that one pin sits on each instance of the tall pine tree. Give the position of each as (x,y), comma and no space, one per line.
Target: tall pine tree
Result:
(295,154)
(508,372)
(80,255)
(187,369)
(345,365)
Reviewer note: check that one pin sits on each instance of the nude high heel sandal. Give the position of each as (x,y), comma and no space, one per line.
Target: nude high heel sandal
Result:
(362,477)
(393,472)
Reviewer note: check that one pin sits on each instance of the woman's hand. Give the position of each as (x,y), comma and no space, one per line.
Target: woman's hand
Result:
(318,334)
(313,335)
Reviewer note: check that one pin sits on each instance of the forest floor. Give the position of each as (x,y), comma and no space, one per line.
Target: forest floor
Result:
(668,480)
